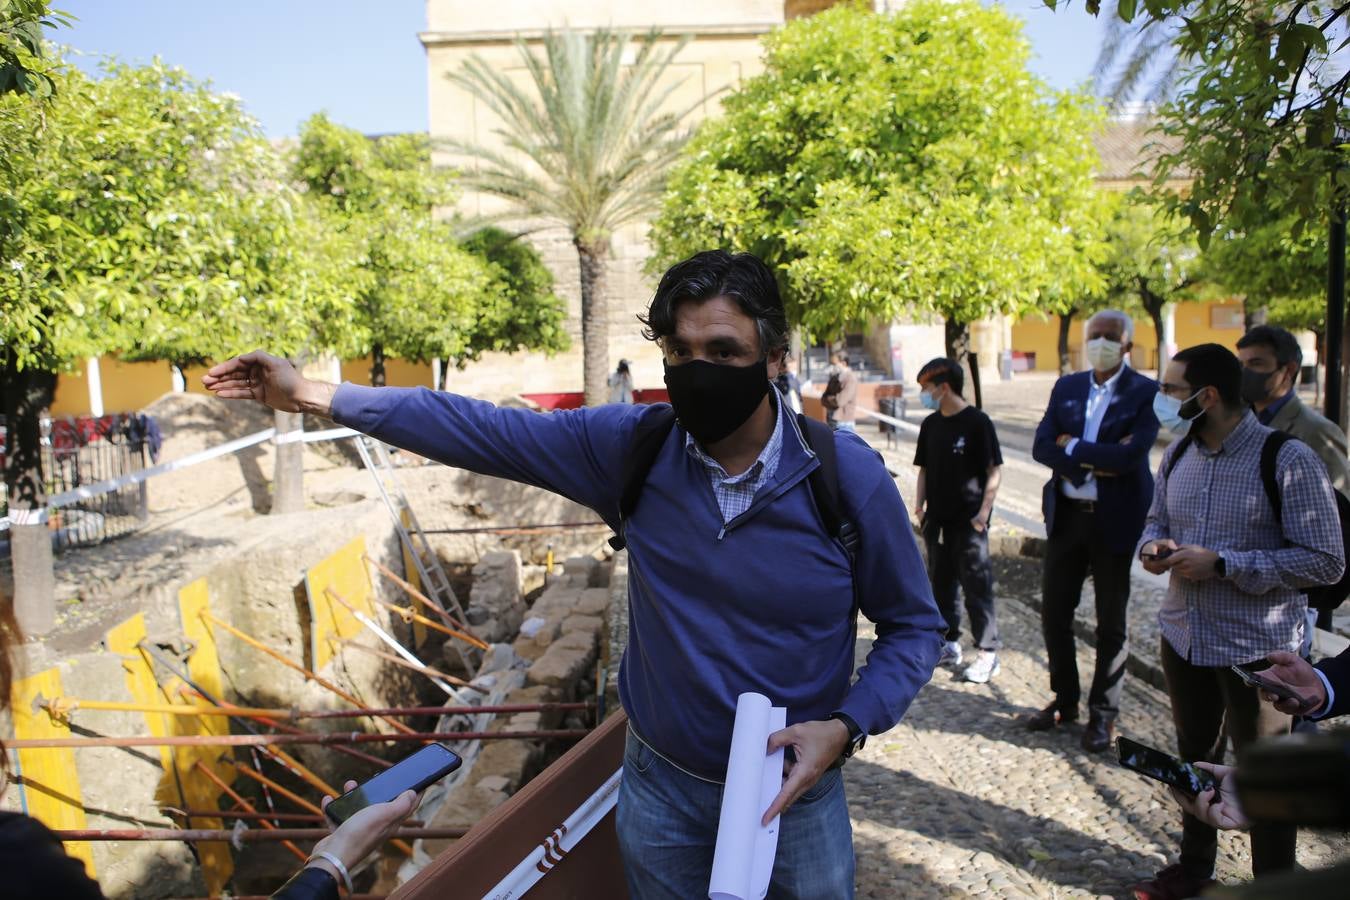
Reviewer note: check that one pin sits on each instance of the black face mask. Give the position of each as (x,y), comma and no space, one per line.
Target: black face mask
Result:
(1256,386)
(712,401)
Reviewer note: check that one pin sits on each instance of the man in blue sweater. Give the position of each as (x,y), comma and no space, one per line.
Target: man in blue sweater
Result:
(734,584)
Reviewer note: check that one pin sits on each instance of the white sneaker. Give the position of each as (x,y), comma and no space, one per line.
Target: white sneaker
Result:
(951,654)
(983,668)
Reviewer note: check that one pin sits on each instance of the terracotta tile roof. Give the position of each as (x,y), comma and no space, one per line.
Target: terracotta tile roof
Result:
(1128,148)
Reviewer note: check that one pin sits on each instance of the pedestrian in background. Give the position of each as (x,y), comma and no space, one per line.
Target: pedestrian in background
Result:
(840,398)
(1095,437)
(960,467)
(1237,574)
(621,384)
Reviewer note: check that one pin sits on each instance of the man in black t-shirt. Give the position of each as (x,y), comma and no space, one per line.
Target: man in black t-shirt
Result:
(959,472)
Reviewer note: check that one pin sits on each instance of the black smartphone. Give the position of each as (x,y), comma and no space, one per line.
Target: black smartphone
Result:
(1161,767)
(1257,680)
(427,766)
(1160,553)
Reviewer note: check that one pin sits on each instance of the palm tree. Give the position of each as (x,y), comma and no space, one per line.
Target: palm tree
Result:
(1137,59)
(587,146)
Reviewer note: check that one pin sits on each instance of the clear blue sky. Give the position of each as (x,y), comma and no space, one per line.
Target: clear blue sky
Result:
(360,60)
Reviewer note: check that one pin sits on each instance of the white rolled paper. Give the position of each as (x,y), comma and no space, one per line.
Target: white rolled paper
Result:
(743,858)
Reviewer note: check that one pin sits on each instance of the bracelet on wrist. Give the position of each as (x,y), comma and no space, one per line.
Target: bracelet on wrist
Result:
(332,860)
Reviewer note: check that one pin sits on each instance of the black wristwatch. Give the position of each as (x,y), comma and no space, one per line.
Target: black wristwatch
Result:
(856,738)
(1220,567)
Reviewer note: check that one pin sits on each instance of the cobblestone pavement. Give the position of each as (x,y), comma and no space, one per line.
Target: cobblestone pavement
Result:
(961,800)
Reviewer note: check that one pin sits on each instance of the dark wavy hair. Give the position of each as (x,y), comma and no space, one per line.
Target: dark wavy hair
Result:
(717,273)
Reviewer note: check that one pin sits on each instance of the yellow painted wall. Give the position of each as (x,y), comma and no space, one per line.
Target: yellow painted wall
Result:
(127,387)
(397,372)
(1194,325)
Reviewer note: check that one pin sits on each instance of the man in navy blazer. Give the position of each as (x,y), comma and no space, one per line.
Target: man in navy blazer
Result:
(1095,437)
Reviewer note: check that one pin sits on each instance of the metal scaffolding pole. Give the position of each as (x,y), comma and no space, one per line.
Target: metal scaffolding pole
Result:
(263,648)
(270,740)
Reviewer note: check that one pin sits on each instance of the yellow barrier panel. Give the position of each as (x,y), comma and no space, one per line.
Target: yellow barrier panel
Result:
(202,793)
(51,789)
(124,640)
(180,788)
(411,576)
(345,572)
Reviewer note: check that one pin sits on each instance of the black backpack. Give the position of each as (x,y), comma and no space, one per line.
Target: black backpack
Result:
(1325,596)
(653,430)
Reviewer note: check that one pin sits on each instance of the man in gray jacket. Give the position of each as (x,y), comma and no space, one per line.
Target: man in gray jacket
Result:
(1271,359)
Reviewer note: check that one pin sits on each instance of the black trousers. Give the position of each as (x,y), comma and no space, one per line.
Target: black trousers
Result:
(1071,553)
(959,555)
(1209,704)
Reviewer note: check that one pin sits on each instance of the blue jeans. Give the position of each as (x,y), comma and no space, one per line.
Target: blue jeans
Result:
(667,825)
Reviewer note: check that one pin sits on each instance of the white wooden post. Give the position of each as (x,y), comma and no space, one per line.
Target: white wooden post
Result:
(94,381)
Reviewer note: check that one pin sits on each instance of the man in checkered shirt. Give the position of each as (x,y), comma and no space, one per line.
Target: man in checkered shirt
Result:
(1237,581)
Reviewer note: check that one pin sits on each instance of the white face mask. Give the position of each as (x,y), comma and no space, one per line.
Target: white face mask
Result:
(1103,354)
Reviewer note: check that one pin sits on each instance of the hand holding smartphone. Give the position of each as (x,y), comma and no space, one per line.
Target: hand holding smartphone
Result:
(425,767)
(1165,768)
(1271,686)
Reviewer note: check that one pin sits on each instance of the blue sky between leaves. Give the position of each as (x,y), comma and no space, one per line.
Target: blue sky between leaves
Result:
(360,60)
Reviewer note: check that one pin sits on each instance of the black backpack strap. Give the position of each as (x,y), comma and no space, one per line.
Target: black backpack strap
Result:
(1270,453)
(824,481)
(1182,446)
(648,438)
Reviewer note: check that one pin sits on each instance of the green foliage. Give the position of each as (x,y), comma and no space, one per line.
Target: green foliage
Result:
(520,309)
(1257,112)
(145,218)
(24,65)
(1153,259)
(418,292)
(1272,268)
(892,163)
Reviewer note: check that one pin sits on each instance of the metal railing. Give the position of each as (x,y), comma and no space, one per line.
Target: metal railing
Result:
(77,452)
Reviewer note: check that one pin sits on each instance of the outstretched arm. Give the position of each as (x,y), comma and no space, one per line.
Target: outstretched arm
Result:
(575,453)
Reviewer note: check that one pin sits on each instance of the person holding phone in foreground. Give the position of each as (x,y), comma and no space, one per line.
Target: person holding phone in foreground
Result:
(1238,574)
(1325,692)
(36,866)
(734,582)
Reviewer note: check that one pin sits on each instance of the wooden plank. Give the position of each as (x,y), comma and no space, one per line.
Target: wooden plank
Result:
(330,623)
(508,834)
(50,791)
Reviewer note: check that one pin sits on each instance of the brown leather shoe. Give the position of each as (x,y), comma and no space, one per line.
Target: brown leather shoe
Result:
(1051,717)
(1097,734)
(1172,883)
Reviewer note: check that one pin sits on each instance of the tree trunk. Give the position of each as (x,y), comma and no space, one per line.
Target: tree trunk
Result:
(1155,314)
(377,365)
(1252,317)
(1065,363)
(288,474)
(26,396)
(594,321)
(956,336)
